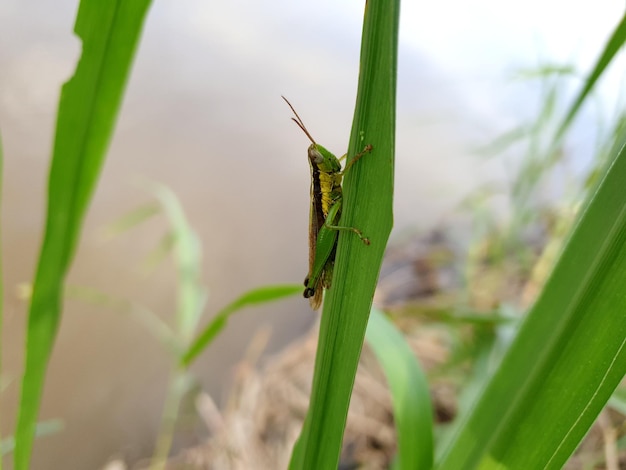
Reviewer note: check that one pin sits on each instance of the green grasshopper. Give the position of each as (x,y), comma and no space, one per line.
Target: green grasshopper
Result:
(325,214)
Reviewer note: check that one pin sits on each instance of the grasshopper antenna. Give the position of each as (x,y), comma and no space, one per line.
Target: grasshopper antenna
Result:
(299,120)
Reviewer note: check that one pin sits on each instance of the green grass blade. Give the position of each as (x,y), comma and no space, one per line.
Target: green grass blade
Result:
(612,47)
(191,295)
(568,356)
(217,324)
(368,194)
(410,395)
(145,317)
(132,219)
(618,401)
(42,429)
(87,110)
(159,253)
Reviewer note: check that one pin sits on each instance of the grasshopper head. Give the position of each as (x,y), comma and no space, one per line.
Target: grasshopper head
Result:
(322,159)
(315,155)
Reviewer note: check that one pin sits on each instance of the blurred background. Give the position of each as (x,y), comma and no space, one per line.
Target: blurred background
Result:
(203,115)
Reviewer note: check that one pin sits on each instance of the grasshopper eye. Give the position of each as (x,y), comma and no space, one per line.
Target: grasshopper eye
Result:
(314,155)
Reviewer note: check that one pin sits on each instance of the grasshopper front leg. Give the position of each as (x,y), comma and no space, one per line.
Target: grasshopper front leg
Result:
(367,149)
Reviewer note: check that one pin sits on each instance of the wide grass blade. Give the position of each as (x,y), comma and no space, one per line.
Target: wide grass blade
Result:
(219,321)
(86,116)
(568,356)
(410,395)
(368,193)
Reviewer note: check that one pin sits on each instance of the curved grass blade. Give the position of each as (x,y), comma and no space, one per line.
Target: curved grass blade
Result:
(86,116)
(218,323)
(568,356)
(367,204)
(410,395)
(132,219)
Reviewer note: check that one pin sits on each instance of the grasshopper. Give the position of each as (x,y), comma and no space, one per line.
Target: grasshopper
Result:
(325,214)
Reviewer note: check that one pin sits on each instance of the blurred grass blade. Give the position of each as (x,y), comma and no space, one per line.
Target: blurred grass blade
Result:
(410,395)
(367,204)
(87,110)
(612,47)
(618,401)
(191,295)
(131,220)
(191,299)
(160,252)
(150,320)
(42,429)
(568,356)
(504,141)
(543,71)
(217,324)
